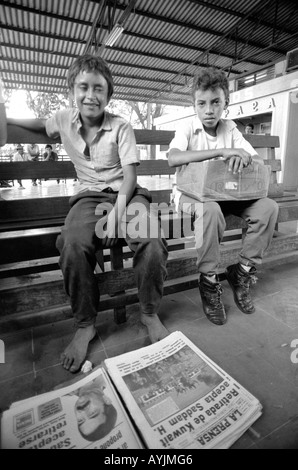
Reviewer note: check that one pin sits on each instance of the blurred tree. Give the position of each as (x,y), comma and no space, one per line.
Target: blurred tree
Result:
(137,113)
(7,95)
(44,105)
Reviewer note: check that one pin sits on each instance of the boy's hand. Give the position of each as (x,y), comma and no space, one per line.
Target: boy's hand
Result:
(111,230)
(238,159)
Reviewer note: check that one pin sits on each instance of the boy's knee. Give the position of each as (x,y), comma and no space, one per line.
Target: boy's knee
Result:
(154,248)
(73,240)
(157,246)
(274,208)
(212,210)
(270,210)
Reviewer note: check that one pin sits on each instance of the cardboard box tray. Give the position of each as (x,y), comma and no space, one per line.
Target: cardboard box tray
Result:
(211,181)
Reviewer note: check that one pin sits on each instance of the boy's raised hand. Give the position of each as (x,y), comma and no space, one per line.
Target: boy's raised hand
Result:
(111,230)
(237,159)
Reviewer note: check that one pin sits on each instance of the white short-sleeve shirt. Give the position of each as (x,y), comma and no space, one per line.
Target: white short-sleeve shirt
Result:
(192,136)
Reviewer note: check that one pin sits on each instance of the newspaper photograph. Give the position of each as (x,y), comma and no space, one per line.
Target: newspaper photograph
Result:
(179,398)
(87,414)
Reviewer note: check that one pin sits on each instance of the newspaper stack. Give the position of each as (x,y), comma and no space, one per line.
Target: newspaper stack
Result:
(176,397)
(85,415)
(180,399)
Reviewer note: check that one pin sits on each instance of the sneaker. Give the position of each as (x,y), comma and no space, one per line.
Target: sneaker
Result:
(240,282)
(211,300)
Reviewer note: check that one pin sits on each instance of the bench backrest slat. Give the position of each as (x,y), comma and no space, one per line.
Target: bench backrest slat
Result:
(28,170)
(17,134)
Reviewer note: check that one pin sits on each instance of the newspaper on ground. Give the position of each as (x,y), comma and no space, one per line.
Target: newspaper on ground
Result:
(86,414)
(175,398)
(179,398)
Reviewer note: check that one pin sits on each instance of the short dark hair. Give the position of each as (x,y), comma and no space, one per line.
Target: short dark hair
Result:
(210,78)
(48,146)
(90,63)
(250,125)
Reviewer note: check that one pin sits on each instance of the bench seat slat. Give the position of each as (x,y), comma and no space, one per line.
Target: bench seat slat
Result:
(37,292)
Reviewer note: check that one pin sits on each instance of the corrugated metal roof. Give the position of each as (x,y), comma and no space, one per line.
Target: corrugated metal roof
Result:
(163,42)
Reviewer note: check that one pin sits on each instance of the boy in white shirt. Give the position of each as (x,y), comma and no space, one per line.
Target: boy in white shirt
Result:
(103,149)
(205,138)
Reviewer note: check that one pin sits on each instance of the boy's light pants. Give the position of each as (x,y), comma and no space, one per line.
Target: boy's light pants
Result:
(209,226)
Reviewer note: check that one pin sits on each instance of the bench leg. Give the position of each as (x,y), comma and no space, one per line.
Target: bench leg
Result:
(116,254)
(100,266)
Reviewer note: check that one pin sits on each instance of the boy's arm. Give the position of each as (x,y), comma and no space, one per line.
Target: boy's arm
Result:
(179,154)
(238,157)
(34,125)
(124,196)
(3,125)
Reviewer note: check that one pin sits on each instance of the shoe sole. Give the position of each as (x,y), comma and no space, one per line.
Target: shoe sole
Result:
(236,299)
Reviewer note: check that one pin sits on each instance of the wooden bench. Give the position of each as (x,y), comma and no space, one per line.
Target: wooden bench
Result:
(31,285)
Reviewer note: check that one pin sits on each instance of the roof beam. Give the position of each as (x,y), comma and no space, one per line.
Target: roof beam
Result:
(119,95)
(120,49)
(93,33)
(111,62)
(183,46)
(115,75)
(252,18)
(54,77)
(193,27)
(6,3)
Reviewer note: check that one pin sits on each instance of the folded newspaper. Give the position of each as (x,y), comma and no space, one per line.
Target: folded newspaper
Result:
(85,415)
(175,398)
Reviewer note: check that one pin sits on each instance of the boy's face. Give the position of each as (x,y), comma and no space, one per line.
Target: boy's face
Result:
(90,411)
(209,106)
(91,94)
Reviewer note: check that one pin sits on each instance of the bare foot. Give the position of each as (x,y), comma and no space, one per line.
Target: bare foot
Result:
(76,351)
(156,330)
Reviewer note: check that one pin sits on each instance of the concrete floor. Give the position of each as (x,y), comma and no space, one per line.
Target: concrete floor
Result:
(255,349)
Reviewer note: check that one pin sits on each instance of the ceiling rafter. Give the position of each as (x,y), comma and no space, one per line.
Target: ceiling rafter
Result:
(119,49)
(137,12)
(159,50)
(189,26)
(207,51)
(53,77)
(115,74)
(63,89)
(253,18)
(116,63)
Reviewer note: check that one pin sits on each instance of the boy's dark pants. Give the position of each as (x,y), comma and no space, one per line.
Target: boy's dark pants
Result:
(78,244)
